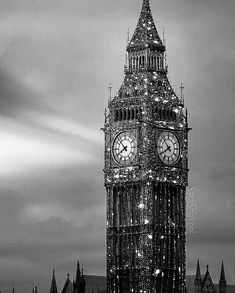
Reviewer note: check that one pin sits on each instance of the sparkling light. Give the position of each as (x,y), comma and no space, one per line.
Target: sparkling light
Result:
(141,206)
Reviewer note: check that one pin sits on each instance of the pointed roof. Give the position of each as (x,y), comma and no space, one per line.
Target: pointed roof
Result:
(222,274)
(146,33)
(53,284)
(198,273)
(68,286)
(78,273)
(207,281)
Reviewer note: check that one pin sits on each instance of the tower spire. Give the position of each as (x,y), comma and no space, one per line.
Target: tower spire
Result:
(198,279)
(53,284)
(146,33)
(222,281)
(198,273)
(78,273)
(222,274)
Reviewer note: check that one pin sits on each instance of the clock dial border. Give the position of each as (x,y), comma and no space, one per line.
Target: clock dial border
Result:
(171,134)
(129,162)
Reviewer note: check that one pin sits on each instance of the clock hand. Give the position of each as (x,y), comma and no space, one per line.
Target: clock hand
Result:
(167,144)
(121,143)
(124,149)
(167,149)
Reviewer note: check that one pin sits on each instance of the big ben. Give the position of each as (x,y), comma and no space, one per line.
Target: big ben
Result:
(146,172)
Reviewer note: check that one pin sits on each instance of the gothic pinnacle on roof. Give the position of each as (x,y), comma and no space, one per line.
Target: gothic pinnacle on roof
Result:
(222,274)
(53,284)
(146,33)
(78,272)
(198,279)
(198,273)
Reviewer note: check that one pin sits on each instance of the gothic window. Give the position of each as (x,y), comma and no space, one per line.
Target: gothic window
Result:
(162,63)
(164,114)
(119,114)
(116,115)
(124,114)
(158,67)
(127,114)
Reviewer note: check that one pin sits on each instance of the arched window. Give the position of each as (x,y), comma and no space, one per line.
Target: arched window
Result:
(135,114)
(120,115)
(164,114)
(124,115)
(132,114)
(158,64)
(161,62)
(127,114)
(116,115)
(155,63)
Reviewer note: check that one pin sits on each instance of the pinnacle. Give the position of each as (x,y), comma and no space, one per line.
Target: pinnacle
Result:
(53,284)
(198,274)
(222,274)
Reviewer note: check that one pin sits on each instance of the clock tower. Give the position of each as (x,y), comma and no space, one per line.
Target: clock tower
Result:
(146,172)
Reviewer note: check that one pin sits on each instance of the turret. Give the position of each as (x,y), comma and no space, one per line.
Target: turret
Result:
(222,281)
(198,279)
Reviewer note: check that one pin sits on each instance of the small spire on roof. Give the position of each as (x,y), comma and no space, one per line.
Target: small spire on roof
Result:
(53,288)
(222,275)
(198,273)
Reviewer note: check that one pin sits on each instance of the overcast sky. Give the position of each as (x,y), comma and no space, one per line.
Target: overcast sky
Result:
(57,59)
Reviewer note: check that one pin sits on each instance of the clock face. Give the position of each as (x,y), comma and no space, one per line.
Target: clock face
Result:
(168,148)
(125,148)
